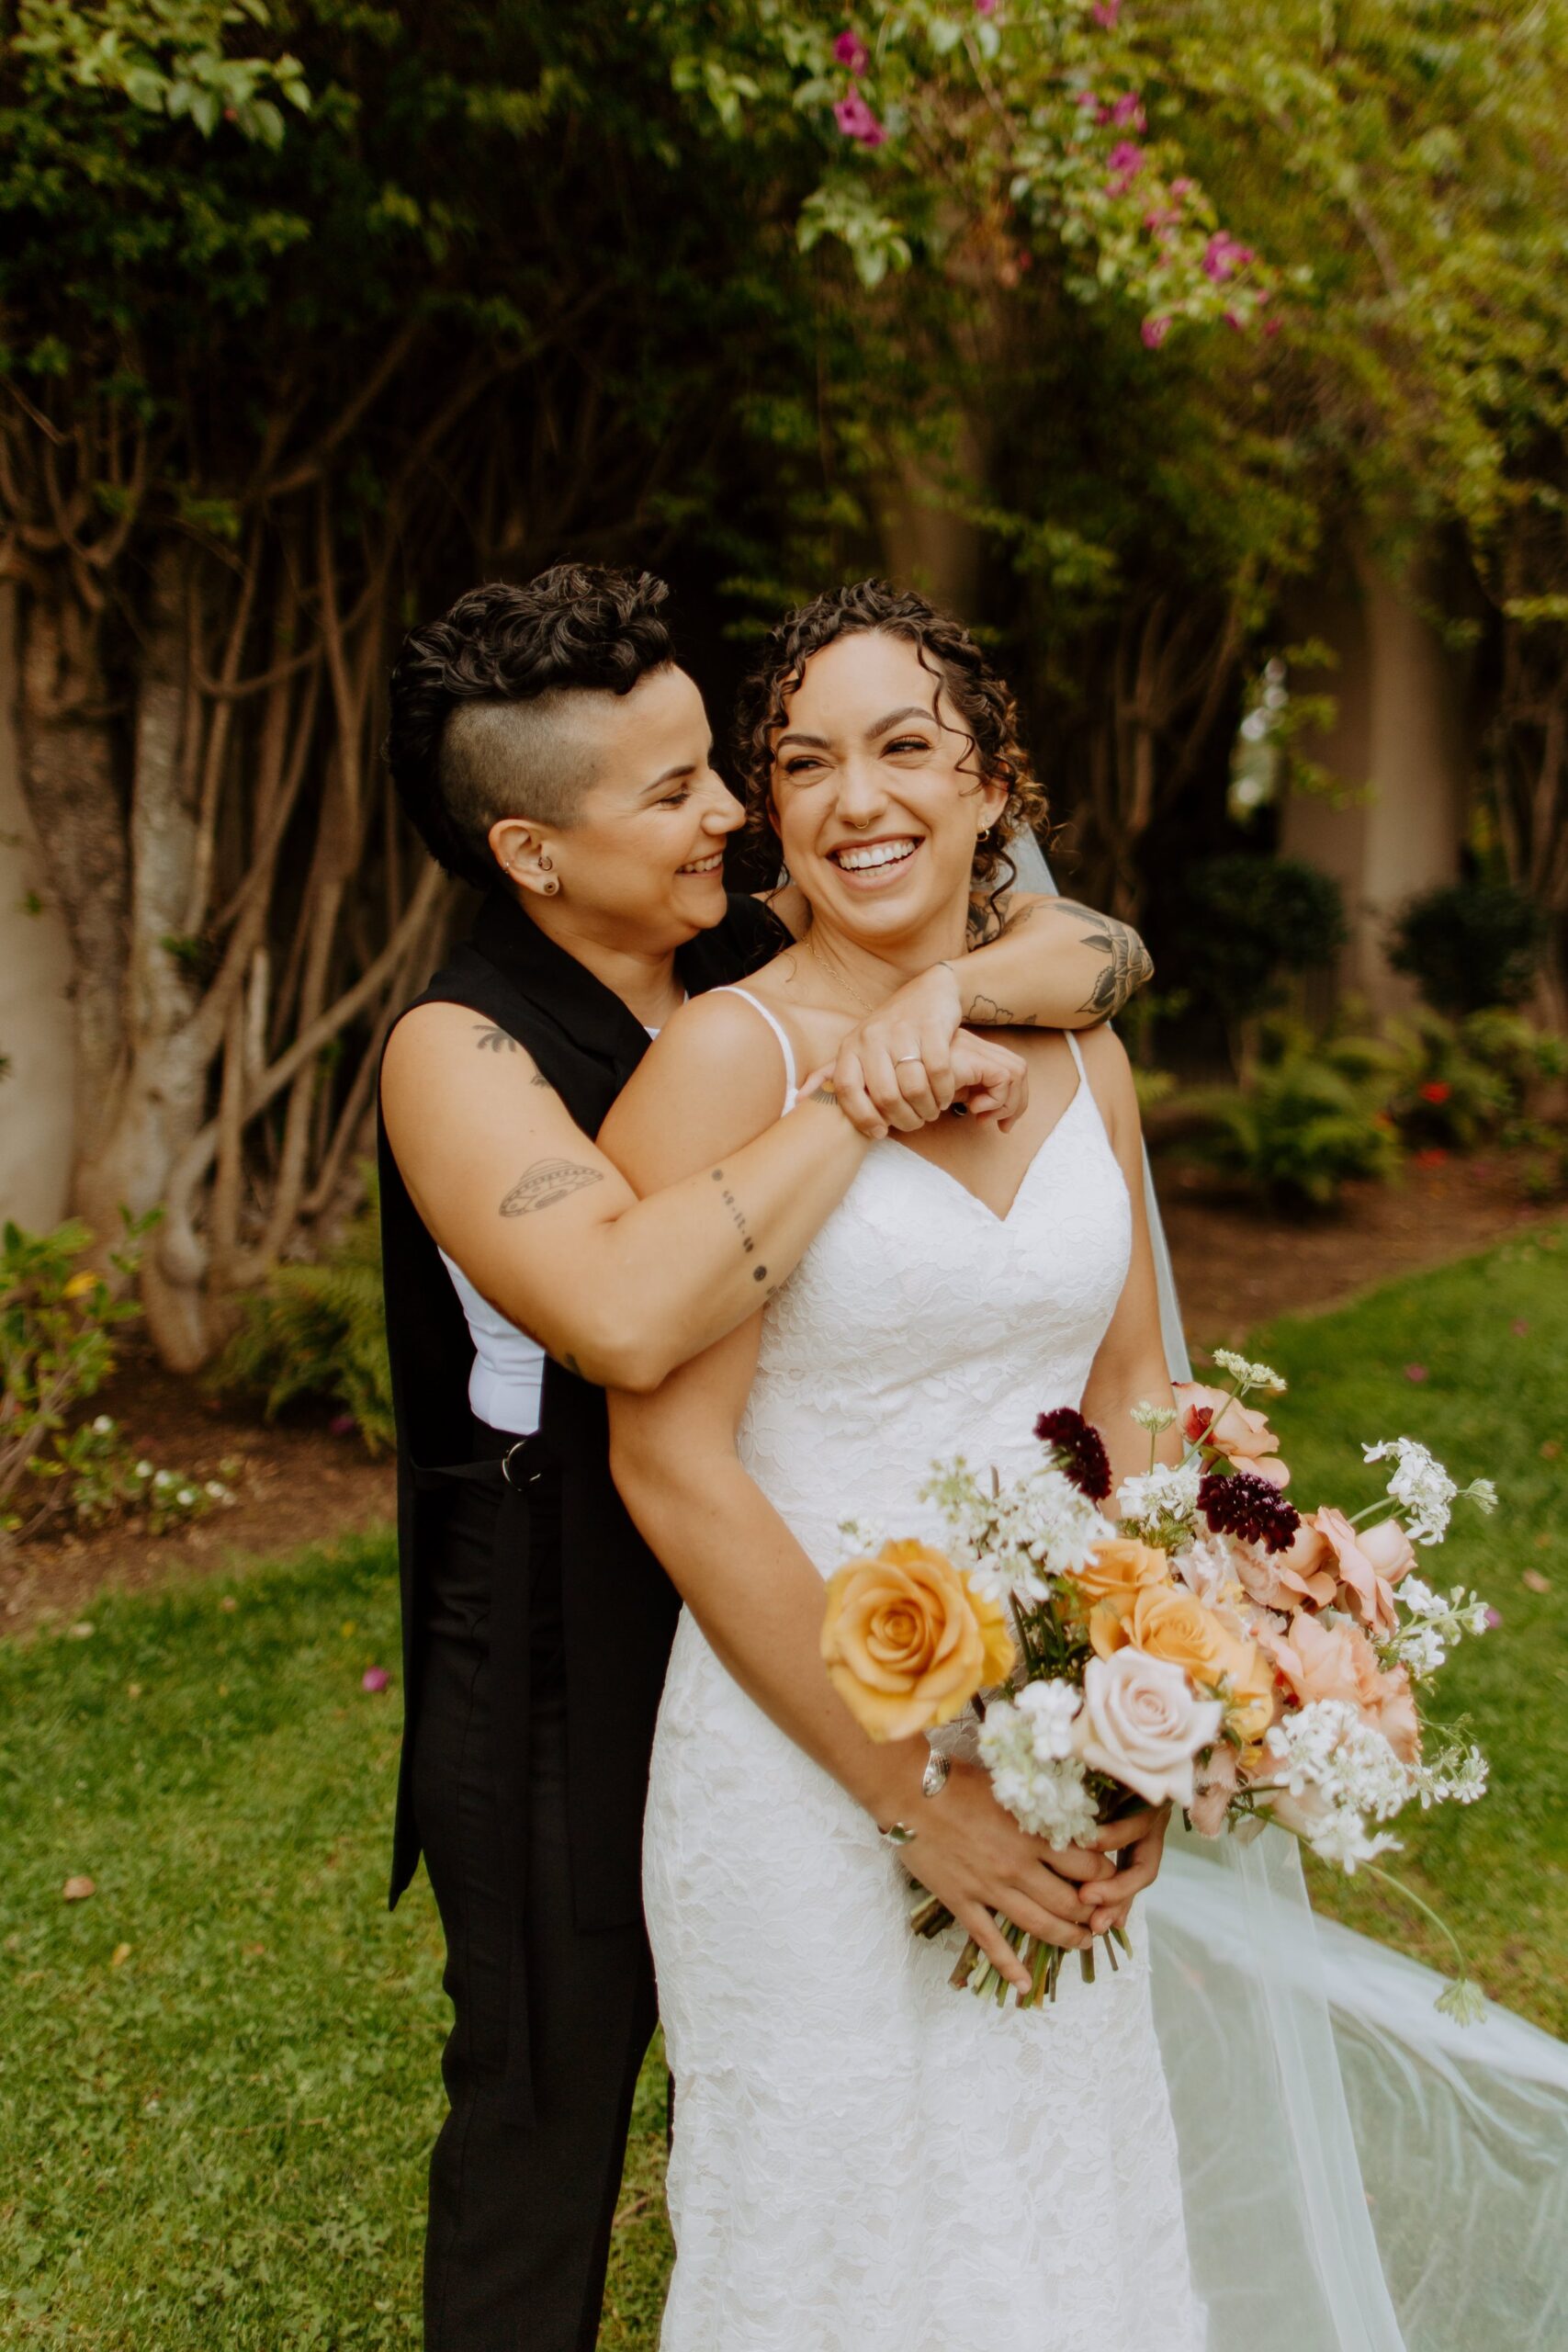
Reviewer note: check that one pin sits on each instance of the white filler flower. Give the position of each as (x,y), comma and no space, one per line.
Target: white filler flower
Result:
(1420,1484)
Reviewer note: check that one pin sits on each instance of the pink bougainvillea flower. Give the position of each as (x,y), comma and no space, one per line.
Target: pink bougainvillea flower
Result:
(375,1677)
(850,51)
(985,7)
(1154,332)
(1086,99)
(1179,188)
(1127,113)
(855,120)
(1126,160)
(1223,255)
(1105,13)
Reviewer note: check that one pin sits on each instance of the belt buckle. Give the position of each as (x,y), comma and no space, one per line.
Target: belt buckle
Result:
(520,1447)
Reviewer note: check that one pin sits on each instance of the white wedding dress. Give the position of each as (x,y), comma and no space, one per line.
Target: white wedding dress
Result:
(865,2160)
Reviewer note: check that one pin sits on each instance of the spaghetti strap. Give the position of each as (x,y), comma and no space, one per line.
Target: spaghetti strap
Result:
(777,1025)
(1076,1052)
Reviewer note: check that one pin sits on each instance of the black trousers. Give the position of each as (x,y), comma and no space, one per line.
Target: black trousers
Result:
(520,2216)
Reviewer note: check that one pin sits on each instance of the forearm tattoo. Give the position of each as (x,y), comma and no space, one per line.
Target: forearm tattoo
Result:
(547,1182)
(1127,966)
(738,1218)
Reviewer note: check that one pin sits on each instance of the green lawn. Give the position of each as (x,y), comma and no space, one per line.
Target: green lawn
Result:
(217,2138)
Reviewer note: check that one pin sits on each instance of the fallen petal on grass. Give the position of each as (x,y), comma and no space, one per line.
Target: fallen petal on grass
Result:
(119,1955)
(1535,1581)
(375,1677)
(76,1890)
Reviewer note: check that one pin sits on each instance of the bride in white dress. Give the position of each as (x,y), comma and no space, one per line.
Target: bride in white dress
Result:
(864,2158)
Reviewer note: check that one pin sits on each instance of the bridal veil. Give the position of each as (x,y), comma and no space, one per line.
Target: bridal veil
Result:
(1360,2174)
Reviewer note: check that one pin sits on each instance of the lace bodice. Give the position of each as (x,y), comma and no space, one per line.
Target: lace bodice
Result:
(919,1318)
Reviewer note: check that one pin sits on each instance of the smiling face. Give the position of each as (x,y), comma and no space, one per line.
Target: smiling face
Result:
(877,795)
(640,865)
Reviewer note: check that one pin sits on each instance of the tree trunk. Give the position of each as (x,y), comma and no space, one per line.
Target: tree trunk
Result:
(66,742)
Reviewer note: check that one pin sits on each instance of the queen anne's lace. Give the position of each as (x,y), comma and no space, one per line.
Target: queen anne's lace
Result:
(865,2160)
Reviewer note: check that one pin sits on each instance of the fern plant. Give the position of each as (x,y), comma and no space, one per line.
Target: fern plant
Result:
(1307,1124)
(321,1330)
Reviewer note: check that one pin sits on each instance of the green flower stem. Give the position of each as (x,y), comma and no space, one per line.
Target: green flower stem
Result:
(1386,1878)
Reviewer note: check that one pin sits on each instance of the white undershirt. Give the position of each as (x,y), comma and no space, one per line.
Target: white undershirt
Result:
(506,1386)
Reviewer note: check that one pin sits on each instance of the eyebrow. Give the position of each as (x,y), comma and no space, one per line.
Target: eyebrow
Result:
(672,775)
(883,725)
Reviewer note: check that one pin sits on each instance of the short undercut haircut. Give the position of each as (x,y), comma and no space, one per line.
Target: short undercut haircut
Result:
(487,703)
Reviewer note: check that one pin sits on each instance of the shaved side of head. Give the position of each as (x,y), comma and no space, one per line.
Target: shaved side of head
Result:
(533,758)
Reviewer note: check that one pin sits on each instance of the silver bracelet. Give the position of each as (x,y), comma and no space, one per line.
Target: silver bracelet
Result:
(933,1780)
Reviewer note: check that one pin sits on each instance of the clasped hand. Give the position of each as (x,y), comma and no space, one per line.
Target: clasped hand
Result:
(913,1059)
(971,1853)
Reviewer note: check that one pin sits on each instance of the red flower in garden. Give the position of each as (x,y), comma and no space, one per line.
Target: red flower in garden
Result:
(850,51)
(855,120)
(1127,112)
(1105,13)
(1437,1090)
(1154,332)
(1126,161)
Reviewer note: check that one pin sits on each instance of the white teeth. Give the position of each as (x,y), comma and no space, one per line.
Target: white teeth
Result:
(862,861)
(705,864)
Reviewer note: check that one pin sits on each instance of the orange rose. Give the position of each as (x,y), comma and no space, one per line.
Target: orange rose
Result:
(1121,1565)
(1211,1417)
(1164,1621)
(1175,1625)
(907,1640)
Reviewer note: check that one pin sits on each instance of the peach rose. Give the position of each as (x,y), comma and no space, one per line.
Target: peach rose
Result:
(1164,1621)
(1392,1711)
(1210,1416)
(1320,1661)
(1121,1565)
(1282,1579)
(1142,1724)
(907,1640)
(1368,1586)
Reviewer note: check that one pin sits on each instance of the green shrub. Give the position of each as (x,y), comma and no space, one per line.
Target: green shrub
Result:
(57,1321)
(321,1330)
(1311,1119)
(1470,944)
(1246,921)
(1462,1082)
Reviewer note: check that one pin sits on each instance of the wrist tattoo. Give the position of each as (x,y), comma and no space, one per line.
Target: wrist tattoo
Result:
(545,1183)
(987,1013)
(1128,963)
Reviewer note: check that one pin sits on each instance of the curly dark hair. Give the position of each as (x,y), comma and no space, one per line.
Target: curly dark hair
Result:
(501,659)
(946,648)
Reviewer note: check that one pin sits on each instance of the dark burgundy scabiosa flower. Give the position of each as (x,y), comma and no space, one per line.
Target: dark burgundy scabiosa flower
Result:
(1248,1508)
(1079,1452)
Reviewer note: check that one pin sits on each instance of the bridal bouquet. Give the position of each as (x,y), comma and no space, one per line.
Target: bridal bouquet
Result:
(1215,1647)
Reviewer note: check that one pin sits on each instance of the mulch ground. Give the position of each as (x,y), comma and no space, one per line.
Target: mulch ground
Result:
(298,1482)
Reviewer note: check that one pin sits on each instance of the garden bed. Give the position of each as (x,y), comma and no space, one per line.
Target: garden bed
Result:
(302,1481)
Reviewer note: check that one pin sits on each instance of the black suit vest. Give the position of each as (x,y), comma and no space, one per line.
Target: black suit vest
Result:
(619,1608)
